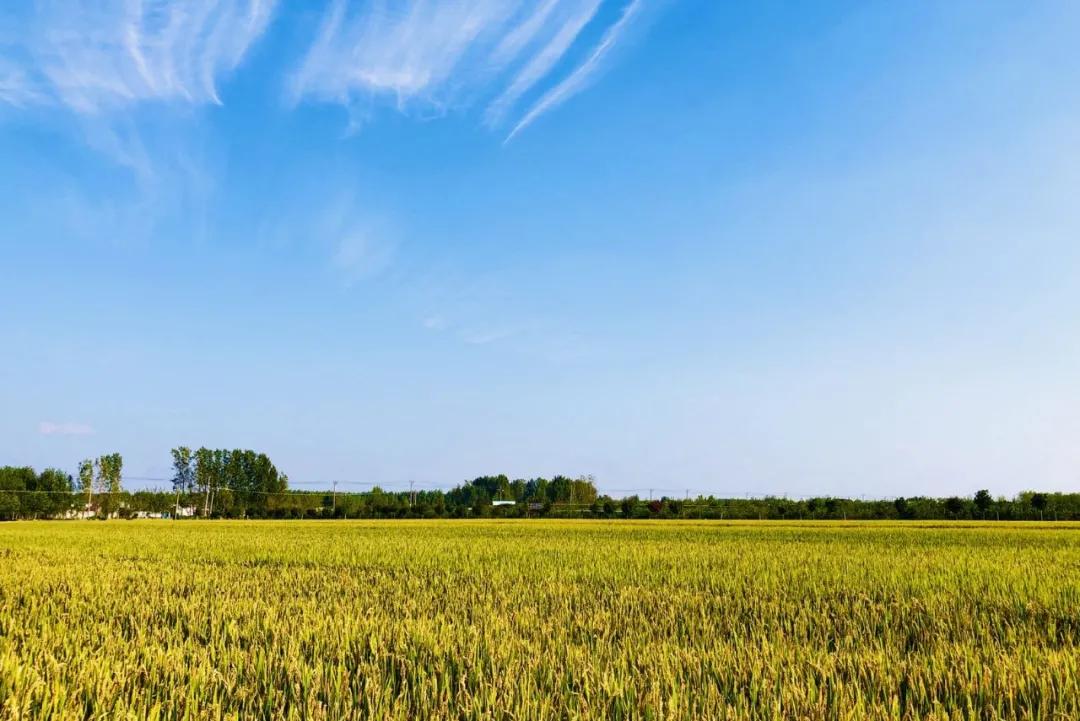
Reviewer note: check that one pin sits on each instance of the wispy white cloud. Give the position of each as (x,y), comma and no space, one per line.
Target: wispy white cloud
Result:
(544,60)
(361,244)
(48,428)
(411,50)
(94,57)
(16,88)
(416,55)
(485,336)
(439,54)
(519,37)
(579,79)
(362,253)
(490,310)
(435,322)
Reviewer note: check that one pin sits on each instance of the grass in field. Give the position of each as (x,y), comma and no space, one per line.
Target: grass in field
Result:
(536,620)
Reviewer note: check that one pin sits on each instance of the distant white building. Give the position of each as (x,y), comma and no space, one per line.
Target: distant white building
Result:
(504,503)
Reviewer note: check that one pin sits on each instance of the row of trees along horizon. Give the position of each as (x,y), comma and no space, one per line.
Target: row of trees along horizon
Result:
(220,483)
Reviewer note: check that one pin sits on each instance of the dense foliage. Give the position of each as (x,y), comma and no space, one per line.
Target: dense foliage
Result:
(246,484)
(545,620)
(27,494)
(232,483)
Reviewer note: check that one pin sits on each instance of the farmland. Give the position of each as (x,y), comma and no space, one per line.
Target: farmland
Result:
(538,620)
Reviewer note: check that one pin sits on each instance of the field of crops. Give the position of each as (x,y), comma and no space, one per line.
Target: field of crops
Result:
(538,620)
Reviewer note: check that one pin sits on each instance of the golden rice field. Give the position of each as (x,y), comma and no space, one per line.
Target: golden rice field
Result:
(538,620)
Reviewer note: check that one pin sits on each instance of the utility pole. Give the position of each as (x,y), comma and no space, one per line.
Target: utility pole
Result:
(412,494)
(335,498)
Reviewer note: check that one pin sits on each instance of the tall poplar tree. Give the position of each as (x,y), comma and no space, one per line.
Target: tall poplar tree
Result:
(86,480)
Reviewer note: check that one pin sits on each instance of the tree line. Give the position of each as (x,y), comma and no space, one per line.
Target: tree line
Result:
(223,482)
(220,483)
(205,482)
(563,497)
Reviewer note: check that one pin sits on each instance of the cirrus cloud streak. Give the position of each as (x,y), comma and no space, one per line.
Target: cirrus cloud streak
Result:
(96,57)
(49,428)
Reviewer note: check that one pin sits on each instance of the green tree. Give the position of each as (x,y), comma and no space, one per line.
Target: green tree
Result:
(183,480)
(583,490)
(221,459)
(110,471)
(983,501)
(14,484)
(53,488)
(204,475)
(1038,502)
(86,480)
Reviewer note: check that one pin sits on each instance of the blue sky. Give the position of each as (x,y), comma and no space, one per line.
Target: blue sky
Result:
(773,247)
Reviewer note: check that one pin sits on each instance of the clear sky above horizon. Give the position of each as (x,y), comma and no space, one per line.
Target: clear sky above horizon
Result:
(768,247)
